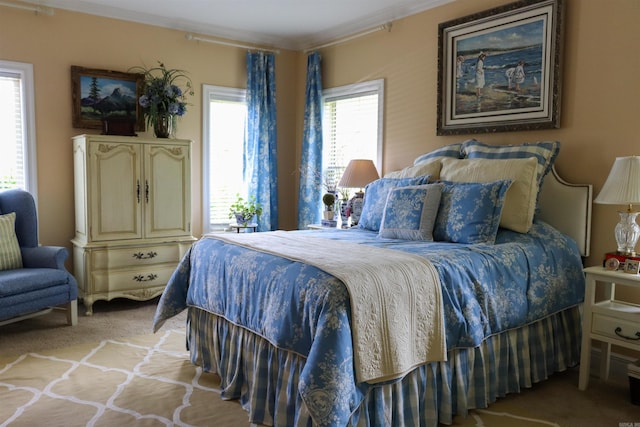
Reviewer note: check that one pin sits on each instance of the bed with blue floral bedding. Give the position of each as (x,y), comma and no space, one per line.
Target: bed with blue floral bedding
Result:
(279,330)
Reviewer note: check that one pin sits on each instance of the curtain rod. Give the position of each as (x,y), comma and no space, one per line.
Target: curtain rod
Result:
(190,36)
(37,9)
(386,26)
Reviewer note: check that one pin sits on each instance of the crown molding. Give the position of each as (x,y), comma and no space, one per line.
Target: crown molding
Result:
(294,42)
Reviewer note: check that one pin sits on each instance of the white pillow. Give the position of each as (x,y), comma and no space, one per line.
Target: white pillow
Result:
(431,168)
(520,202)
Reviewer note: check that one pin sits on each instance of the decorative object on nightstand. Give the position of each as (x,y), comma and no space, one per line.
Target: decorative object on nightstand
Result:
(244,211)
(358,174)
(622,187)
(329,201)
(610,321)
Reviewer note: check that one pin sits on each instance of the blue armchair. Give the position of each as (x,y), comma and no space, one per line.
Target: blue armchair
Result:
(42,283)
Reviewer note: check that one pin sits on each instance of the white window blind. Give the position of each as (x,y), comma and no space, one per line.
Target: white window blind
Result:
(17,134)
(352,126)
(226,113)
(11,135)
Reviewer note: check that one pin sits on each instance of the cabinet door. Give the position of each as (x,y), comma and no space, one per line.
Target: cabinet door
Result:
(116,199)
(167,186)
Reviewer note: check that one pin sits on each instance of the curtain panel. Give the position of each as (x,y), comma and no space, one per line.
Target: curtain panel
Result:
(310,194)
(260,153)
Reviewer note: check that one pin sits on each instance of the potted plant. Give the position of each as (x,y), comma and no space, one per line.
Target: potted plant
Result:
(329,200)
(163,99)
(245,210)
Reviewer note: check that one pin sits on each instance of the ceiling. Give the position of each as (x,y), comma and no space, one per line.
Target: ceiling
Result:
(287,24)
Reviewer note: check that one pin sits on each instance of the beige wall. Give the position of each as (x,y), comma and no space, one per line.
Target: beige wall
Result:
(599,93)
(54,43)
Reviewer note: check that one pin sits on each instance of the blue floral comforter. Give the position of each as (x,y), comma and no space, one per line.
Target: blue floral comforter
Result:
(486,289)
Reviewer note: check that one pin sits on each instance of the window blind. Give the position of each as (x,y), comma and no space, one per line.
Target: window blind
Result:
(12,173)
(350,131)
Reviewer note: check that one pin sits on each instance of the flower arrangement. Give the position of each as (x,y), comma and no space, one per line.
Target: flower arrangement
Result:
(162,97)
(244,210)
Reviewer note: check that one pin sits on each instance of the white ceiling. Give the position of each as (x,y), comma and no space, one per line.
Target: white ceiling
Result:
(287,24)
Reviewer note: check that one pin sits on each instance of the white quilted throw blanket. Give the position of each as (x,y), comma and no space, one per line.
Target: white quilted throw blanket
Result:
(397,314)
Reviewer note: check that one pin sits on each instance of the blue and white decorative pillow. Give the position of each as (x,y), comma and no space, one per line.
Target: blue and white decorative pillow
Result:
(452,150)
(375,199)
(410,212)
(545,153)
(470,212)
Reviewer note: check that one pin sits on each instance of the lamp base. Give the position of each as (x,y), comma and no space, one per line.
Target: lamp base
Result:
(627,233)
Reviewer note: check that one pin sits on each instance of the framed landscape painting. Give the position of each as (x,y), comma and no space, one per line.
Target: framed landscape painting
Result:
(102,97)
(499,70)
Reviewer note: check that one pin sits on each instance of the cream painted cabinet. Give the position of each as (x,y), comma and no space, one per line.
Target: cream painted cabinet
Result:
(133,214)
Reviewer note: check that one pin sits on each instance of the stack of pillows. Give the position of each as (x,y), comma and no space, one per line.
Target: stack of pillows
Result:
(460,193)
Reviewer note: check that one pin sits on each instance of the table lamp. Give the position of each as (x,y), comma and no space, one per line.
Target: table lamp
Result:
(622,187)
(358,174)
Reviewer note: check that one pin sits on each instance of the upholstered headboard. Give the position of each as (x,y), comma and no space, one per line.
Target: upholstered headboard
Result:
(568,208)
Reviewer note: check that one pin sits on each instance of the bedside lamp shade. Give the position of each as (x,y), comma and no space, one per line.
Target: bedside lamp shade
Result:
(622,187)
(358,174)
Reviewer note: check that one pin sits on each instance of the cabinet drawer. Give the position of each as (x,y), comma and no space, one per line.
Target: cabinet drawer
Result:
(131,278)
(607,326)
(103,259)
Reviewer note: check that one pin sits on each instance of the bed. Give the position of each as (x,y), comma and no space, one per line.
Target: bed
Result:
(479,295)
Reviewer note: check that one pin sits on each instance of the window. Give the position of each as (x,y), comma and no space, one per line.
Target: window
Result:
(225,113)
(17,128)
(352,126)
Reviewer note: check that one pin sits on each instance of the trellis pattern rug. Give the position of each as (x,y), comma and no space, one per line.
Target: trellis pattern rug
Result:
(146,381)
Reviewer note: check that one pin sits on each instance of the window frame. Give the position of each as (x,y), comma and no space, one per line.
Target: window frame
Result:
(30,164)
(210,92)
(361,89)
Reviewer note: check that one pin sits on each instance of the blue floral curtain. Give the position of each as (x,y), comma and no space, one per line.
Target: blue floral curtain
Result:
(310,196)
(260,155)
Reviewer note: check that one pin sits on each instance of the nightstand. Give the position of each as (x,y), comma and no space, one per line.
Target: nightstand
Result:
(609,321)
(323,227)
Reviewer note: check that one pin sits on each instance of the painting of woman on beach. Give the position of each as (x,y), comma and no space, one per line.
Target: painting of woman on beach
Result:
(494,58)
(500,68)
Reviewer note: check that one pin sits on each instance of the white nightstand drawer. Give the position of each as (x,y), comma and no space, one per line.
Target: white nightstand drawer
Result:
(607,326)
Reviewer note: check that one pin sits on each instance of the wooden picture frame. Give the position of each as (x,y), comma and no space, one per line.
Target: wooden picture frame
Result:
(516,85)
(107,100)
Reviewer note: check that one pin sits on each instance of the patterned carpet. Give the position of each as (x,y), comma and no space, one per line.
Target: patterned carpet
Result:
(142,381)
(149,381)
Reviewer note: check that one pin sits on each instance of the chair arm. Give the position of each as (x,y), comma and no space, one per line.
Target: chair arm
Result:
(44,257)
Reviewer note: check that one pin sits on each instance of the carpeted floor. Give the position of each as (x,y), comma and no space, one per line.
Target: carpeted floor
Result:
(110,370)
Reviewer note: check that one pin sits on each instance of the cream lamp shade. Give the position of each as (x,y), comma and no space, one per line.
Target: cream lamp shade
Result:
(622,187)
(358,174)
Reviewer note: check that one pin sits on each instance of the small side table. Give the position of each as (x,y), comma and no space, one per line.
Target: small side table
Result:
(323,227)
(238,227)
(609,321)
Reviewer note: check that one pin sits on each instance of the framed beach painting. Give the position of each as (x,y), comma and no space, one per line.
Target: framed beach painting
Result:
(108,100)
(499,70)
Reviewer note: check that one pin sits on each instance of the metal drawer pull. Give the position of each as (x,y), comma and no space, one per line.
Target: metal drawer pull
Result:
(140,255)
(619,329)
(141,278)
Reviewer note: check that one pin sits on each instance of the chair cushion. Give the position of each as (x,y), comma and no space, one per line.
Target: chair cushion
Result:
(10,257)
(25,280)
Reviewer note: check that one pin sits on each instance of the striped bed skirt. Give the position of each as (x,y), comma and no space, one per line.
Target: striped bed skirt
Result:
(265,378)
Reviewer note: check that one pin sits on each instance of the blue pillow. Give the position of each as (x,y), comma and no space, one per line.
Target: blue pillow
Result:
(545,153)
(375,199)
(410,212)
(470,212)
(451,150)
